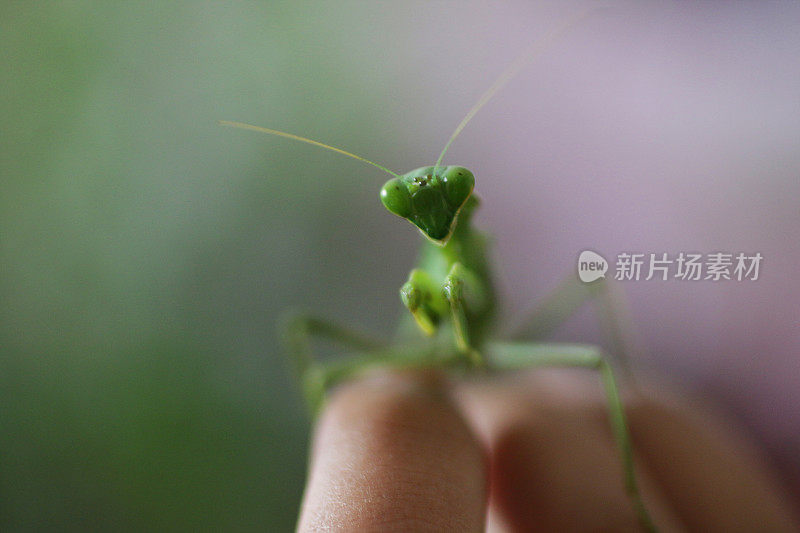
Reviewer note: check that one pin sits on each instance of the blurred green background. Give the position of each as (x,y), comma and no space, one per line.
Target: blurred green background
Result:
(146,254)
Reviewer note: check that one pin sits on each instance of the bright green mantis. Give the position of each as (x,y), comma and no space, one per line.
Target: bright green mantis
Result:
(451,298)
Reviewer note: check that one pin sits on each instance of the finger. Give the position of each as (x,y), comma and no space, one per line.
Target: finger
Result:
(713,478)
(554,463)
(391,453)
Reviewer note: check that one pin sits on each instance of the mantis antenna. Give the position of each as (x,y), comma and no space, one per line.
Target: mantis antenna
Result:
(534,51)
(244,126)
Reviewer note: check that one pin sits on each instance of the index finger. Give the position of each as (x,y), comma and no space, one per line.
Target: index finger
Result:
(391,453)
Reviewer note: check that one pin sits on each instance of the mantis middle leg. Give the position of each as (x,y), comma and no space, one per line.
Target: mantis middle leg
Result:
(313,375)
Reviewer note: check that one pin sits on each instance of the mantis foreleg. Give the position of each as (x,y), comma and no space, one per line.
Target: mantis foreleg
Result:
(422,298)
(463,291)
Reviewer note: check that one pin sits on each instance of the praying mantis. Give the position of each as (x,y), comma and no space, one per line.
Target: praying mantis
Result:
(451,299)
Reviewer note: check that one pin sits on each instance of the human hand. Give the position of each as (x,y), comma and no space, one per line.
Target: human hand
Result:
(532,452)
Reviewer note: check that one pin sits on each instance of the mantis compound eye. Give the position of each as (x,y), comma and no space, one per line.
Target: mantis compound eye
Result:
(396,198)
(459,183)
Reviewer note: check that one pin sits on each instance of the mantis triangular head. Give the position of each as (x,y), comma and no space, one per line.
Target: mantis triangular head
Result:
(430,198)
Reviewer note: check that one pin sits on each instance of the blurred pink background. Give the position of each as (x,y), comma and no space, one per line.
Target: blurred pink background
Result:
(649,129)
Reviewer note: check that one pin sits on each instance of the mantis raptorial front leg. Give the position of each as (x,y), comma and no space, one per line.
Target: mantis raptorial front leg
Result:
(464,292)
(565,300)
(460,293)
(424,300)
(515,356)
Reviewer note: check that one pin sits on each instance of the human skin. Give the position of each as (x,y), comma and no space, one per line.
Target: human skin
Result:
(414,451)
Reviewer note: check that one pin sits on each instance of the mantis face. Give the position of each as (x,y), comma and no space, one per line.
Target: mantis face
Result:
(430,201)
